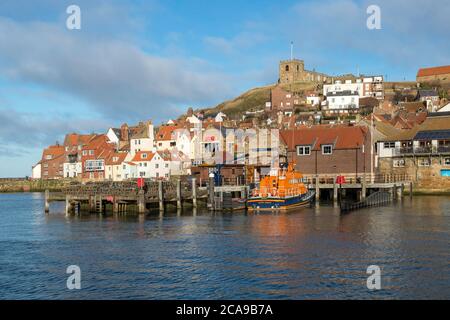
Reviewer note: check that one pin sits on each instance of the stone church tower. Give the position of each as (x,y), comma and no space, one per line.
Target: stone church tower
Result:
(293,70)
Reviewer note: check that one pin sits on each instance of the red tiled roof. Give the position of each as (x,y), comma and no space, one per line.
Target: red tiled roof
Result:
(341,137)
(424,72)
(118,156)
(165,132)
(143,156)
(54,151)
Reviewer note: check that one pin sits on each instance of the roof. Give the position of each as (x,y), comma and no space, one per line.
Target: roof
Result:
(425,72)
(433,135)
(119,157)
(143,156)
(428,93)
(140,131)
(75,139)
(342,93)
(55,151)
(165,133)
(341,137)
(434,125)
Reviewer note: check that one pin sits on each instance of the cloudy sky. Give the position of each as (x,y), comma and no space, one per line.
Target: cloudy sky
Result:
(137,60)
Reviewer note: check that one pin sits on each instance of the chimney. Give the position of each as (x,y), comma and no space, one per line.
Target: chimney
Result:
(124,132)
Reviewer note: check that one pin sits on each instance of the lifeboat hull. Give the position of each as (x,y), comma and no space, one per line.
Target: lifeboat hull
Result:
(277,203)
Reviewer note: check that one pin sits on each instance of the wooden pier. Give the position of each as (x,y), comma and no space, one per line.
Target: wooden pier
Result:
(122,197)
(363,186)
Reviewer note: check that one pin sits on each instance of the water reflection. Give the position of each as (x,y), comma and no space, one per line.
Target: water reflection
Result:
(311,253)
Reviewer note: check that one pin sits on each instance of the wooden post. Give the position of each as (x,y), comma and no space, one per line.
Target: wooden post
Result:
(394,192)
(91,204)
(100,204)
(68,206)
(335,193)
(194,193)
(363,188)
(47,202)
(141,202)
(161,195)
(317,189)
(115,206)
(179,204)
(211,193)
(410,190)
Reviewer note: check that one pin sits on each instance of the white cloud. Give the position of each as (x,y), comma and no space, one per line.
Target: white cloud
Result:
(116,77)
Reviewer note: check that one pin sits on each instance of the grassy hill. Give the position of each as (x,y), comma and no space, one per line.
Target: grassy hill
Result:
(253,100)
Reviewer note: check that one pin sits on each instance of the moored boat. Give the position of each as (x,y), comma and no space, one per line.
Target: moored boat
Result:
(283,189)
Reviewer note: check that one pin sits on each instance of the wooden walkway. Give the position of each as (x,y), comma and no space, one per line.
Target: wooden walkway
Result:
(121,197)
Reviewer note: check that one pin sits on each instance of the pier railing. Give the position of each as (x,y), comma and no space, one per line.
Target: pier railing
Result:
(354,178)
(375,199)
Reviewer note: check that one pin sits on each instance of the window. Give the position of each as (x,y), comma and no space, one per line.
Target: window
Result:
(327,149)
(166,165)
(389,145)
(424,162)
(303,150)
(287,68)
(145,164)
(173,144)
(144,156)
(94,165)
(398,163)
(156,165)
(84,152)
(157,174)
(48,157)
(167,175)
(447,161)
(91,152)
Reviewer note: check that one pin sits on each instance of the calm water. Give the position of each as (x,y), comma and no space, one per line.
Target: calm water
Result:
(309,254)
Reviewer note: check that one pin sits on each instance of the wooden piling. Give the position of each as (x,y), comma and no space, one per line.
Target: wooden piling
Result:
(317,190)
(410,190)
(194,193)
(179,204)
(161,195)
(211,193)
(141,202)
(115,206)
(68,205)
(335,193)
(363,188)
(47,203)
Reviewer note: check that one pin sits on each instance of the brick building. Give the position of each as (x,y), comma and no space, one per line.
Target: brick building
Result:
(422,153)
(283,100)
(94,156)
(327,151)
(440,74)
(52,162)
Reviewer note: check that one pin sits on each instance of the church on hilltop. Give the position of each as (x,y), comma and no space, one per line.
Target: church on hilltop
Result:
(293,70)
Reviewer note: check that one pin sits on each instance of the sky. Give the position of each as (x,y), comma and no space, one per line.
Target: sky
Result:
(137,60)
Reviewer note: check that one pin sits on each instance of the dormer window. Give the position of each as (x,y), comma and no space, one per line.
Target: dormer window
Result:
(144,156)
(327,149)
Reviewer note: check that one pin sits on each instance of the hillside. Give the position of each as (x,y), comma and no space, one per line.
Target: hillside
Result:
(252,100)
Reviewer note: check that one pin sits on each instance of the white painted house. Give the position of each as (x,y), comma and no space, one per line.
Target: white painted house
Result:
(143,139)
(36,171)
(152,165)
(72,169)
(114,166)
(342,102)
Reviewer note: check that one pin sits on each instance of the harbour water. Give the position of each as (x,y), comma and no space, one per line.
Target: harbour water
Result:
(311,253)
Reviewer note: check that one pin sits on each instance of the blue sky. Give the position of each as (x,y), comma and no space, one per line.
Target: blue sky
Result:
(138,60)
